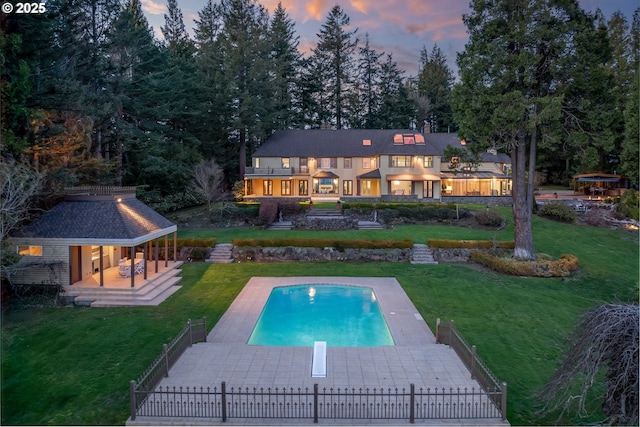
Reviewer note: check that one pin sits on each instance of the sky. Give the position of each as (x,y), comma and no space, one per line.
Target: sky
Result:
(399,27)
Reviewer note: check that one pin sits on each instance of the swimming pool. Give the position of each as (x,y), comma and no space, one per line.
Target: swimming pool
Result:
(343,316)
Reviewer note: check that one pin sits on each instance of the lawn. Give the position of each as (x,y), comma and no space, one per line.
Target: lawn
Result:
(73,365)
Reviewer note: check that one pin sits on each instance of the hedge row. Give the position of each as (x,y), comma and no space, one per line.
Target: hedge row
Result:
(469,244)
(326,243)
(195,243)
(562,267)
(381,206)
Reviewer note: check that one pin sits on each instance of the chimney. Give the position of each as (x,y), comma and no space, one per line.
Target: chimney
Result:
(427,127)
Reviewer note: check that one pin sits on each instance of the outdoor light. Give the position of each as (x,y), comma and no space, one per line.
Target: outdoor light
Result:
(119,199)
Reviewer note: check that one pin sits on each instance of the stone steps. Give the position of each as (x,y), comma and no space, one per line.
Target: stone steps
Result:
(221,254)
(152,293)
(422,254)
(281,225)
(369,225)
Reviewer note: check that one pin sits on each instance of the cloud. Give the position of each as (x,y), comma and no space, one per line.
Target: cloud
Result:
(316,9)
(152,7)
(360,5)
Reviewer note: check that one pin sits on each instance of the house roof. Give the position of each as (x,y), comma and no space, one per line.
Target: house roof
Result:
(351,143)
(100,218)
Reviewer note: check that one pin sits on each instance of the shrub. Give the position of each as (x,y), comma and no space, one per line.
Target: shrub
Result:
(469,244)
(629,204)
(489,218)
(268,212)
(325,243)
(557,210)
(238,190)
(290,208)
(562,267)
(195,242)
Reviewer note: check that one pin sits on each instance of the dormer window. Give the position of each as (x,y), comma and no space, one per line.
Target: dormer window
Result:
(408,139)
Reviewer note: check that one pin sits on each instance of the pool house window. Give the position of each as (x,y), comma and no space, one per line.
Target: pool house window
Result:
(30,250)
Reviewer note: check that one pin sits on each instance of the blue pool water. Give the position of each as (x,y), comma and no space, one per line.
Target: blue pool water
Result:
(343,316)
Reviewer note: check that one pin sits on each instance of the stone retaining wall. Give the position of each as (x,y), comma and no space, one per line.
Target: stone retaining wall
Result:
(290,253)
(338,223)
(451,255)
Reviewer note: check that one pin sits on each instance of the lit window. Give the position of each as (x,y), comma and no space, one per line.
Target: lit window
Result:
(30,250)
(303,188)
(267,187)
(285,188)
(400,161)
(366,163)
(366,142)
(397,139)
(428,161)
(454,162)
(409,139)
(347,162)
(419,138)
(347,187)
(463,142)
(257,159)
(285,163)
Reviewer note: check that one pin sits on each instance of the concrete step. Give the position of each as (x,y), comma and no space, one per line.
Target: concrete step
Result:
(160,294)
(152,297)
(421,254)
(369,225)
(281,225)
(221,254)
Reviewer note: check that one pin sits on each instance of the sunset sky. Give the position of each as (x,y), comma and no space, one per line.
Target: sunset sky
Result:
(400,27)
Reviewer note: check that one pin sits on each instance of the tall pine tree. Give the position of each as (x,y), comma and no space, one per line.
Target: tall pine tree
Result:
(334,57)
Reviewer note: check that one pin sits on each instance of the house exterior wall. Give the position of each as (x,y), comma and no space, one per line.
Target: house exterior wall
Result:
(52,267)
(270,169)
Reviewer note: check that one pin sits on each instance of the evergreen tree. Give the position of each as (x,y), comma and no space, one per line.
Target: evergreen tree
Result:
(334,56)
(435,80)
(285,68)
(516,81)
(245,63)
(365,99)
(630,156)
(396,108)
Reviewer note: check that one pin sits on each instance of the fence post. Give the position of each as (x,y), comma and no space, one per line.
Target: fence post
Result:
(132,399)
(473,362)
(224,401)
(190,333)
(204,321)
(438,330)
(412,402)
(451,327)
(504,401)
(165,356)
(315,403)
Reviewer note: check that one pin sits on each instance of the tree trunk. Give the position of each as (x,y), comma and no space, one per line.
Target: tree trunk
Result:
(523,233)
(243,152)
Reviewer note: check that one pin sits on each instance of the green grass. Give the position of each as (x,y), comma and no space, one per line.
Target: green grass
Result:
(73,365)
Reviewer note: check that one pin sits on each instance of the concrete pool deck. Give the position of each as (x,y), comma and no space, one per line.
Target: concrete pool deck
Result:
(415,358)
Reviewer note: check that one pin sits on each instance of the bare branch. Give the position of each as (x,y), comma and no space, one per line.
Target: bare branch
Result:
(207,179)
(18,184)
(606,338)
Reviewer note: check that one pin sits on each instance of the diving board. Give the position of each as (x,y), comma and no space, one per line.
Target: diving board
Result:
(319,361)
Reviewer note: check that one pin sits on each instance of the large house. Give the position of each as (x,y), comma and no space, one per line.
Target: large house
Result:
(364,164)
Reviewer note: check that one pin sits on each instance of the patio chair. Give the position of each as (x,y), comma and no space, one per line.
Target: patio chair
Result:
(123,268)
(139,267)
